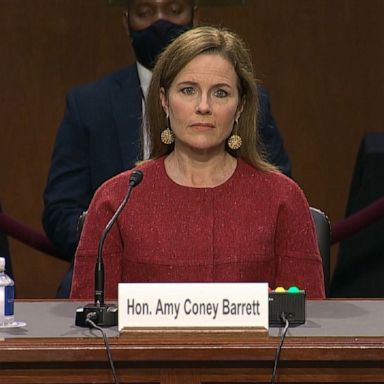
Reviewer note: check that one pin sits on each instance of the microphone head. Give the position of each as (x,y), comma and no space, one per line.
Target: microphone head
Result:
(135,178)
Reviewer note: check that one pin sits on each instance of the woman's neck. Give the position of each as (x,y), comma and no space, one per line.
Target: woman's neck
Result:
(200,170)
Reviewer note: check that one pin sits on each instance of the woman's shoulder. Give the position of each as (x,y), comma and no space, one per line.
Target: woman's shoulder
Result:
(118,185)
(247,170)
(273,181)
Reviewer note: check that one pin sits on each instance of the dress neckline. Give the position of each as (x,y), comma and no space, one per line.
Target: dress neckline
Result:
(227,182)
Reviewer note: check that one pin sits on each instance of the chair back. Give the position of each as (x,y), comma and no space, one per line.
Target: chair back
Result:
(323,233)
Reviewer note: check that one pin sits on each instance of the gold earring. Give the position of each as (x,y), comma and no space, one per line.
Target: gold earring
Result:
(234,141)
(167,137)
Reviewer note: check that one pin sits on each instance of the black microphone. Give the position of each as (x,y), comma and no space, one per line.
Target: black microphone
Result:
(105,315)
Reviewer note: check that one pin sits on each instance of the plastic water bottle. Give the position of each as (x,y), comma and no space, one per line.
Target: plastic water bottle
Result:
(7,297)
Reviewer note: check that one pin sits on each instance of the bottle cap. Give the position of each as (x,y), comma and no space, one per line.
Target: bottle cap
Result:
(2,264)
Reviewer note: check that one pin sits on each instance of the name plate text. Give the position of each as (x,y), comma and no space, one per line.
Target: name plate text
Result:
(193,305)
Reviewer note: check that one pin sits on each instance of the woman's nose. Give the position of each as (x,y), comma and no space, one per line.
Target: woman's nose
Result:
(203,106)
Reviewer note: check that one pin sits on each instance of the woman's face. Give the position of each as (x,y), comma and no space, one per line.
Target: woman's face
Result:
(203,103)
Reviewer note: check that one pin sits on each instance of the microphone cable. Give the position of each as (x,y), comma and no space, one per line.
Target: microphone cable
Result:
(278,351)
(93,325)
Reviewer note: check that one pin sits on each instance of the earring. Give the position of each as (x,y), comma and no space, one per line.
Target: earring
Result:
(167,137)
(234,141)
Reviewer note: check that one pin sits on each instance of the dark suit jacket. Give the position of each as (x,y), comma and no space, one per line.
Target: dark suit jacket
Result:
(99,138)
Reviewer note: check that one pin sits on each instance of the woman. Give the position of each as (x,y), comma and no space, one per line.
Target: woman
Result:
(209,208)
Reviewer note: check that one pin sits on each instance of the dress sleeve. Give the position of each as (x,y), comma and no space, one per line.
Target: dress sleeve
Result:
(298,259)
(103,206)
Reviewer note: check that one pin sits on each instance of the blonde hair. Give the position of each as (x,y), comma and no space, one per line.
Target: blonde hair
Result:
(207,40)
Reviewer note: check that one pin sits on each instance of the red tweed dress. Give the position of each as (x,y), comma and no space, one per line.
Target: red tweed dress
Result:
(256,227)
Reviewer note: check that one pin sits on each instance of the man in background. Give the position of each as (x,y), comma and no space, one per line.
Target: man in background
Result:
(102,129)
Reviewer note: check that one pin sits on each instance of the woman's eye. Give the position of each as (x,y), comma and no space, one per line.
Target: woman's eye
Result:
(188,91)
(221,93)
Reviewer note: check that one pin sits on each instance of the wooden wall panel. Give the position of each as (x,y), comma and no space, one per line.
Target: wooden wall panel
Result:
(48,46)
(321,60)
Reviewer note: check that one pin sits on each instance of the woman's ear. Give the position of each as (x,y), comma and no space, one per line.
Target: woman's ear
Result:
(164,101)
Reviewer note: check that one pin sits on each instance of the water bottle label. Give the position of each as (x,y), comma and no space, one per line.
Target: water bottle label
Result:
(7,298)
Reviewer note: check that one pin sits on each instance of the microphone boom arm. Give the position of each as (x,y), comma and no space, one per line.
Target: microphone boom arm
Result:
(102,314)
(99,268)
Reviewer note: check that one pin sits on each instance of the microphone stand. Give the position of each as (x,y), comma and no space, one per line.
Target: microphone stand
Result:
(104,315)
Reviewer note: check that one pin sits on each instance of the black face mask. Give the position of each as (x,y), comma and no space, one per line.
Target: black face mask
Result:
(149,42)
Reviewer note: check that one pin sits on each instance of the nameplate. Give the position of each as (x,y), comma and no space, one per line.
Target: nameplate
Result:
(191,305)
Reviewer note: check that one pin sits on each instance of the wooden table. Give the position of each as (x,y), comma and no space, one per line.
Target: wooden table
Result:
(53,350)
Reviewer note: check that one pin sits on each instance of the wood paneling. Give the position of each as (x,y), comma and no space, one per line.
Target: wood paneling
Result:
(84,360)
(322,61)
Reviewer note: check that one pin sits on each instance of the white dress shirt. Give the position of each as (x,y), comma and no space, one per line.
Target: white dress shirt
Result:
(145,76)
